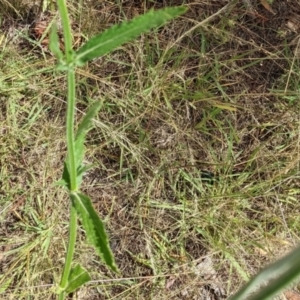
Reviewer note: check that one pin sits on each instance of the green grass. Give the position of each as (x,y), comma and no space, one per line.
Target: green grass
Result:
(167,114)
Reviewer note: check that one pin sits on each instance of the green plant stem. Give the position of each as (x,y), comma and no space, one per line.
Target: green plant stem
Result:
(71,94)
(70,252)
(71,160)
(70,130)
(62,6)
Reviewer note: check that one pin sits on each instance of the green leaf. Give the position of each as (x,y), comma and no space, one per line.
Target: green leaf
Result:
(120,34)
(94,228)
(54,44)
(272,279)
(86,123)
(79,150)
(83,128)
(77,278)
(65,180)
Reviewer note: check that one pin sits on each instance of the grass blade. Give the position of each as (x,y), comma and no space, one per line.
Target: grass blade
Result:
(120,34)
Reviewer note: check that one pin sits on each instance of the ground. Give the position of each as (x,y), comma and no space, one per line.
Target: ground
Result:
(196,149)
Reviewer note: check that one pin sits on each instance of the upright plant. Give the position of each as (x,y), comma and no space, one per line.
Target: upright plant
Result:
(263,286)
(74,169)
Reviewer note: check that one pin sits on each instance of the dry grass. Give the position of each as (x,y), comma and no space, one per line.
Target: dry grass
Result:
(196,151)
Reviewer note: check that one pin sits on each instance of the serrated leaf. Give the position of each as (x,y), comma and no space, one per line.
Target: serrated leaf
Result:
(120,34)
(94,228)
(54,44)
(77,278)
